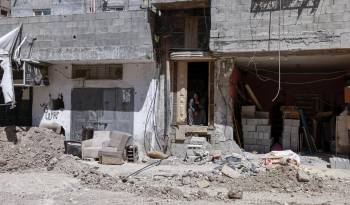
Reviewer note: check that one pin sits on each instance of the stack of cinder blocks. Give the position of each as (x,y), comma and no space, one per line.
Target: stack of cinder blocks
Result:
(256,130)
(290,135)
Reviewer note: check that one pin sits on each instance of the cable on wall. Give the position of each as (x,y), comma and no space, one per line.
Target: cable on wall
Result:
(279,52)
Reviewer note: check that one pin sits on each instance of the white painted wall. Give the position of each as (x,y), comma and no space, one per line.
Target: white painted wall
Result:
(139,76)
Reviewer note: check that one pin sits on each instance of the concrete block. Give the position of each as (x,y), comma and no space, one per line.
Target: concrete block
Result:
(246,134)
(339,163)
(267,135)
(286,135)
(287,122)
(262,115)
(178,149)
(267,149)
(248,111)
(287,129)
(295,123)
(250,140)
(197,140)
(244,121)
(251,128)
(262,121)
(266,142)
(263,128)
(252,121)
(294,130)
(260,141)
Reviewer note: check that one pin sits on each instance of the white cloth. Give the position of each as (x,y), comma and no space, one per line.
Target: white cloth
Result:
(7,43)
(7,81)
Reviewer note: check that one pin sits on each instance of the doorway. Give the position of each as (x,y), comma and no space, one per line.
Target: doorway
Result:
(21,115)
(197,95)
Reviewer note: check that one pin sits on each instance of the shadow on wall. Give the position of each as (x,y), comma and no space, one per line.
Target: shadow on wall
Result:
(258,6)
(102,108)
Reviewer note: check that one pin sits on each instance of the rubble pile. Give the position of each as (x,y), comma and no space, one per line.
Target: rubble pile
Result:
(285,179)
(24,148)
(37,148)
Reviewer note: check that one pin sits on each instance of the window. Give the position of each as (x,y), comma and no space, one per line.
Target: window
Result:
(4,13)
(98,72)
(107,7)
(42,12)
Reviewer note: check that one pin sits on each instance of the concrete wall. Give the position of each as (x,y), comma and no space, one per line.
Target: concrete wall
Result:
(66,7)
(323,24)
(58,7)
(115,36)
(138,76)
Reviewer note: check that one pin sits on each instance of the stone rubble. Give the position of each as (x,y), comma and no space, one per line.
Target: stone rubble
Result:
(43,149)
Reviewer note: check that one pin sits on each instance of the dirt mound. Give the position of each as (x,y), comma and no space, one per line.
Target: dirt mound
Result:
(24,148)
(283,179)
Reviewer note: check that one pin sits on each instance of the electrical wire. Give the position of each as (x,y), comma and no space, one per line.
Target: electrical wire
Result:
(302,83)
(293,73)
(149,114)
(279,52)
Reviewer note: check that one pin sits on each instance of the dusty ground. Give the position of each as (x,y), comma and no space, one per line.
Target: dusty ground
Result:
(33,170)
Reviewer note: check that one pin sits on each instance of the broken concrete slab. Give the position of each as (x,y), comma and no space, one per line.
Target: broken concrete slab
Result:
(228,171)
(203,184)
(3,162)
(302,176)
(234,194)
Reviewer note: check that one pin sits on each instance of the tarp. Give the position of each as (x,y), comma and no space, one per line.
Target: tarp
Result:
(7,43)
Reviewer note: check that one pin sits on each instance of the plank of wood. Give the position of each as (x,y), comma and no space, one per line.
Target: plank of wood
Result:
(252,95)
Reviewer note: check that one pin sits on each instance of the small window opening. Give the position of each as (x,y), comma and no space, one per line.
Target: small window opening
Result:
(42,12)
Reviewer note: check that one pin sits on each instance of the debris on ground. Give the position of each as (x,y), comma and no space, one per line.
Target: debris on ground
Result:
(302,176)
(23,148)
(232,194)
(157,155)
(285,157)
(228,171)
(40,148)
(203,184)
(339,163)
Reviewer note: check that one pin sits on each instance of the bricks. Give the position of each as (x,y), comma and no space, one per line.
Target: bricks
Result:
(290,134)
(256,130)
(248,111)
(291,122)
(264,128)
(251,128)
(339,163)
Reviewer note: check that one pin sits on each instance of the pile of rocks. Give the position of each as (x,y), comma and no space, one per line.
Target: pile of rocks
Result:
(24,148)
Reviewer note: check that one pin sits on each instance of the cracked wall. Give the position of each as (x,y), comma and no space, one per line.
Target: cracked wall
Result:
(242,26)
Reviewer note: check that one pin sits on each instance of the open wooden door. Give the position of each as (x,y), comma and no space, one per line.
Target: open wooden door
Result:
(181,93)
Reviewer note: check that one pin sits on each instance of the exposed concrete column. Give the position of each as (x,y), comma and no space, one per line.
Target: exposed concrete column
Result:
(224,129)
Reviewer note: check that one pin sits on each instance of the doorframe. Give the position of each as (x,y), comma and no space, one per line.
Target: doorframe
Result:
(179,116)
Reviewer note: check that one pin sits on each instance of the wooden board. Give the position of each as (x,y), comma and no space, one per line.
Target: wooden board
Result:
(191,32)
(181,108)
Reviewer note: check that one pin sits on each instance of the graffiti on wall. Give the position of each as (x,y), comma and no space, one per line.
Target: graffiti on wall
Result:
(54,103)
(258,6)
(51,115)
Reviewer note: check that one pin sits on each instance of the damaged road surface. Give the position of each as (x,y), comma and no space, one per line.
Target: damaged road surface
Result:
(34,170)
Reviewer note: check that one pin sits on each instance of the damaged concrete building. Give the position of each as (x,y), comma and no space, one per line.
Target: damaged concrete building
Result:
(136,66)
